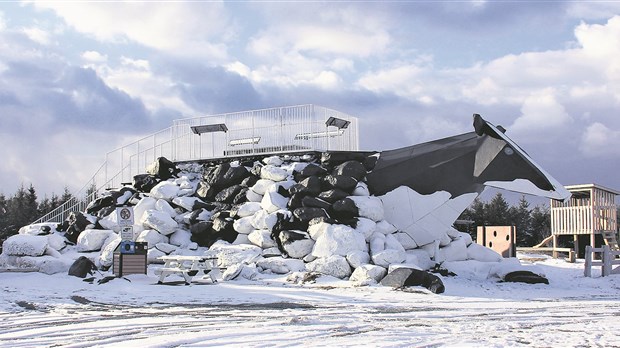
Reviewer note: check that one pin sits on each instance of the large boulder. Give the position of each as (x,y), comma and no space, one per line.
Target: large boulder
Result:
(367,275)
(296,244)
(160,221)
(92,240)
(24,245)
(335,266)
(338,240)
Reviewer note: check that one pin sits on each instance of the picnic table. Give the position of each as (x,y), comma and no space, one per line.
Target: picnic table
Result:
(187,267)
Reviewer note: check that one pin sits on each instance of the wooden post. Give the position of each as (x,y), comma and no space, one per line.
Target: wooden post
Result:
(606,261)
(576,245)
(587,271)
(555,245)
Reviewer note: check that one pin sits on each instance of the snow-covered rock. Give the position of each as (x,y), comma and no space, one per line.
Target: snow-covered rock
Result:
(164,206)
(357,258)
(279,265)
(369,207)
(151,237)
(248,209)
(153,255)
(481,253)
(261,186)
(91,240)
(107,251)
(166,248)
(455,251)
(335,266)
(367,275)
(296,244)
(244,225)
(165,190)
(366,227)
(186,203)
(146,203)
(338,240)
(262,238)
(180,238)
(273,173)
(160,221)
(24,245)
(273,160)
(229,254)
(389,256)
(273,201)
(56,241)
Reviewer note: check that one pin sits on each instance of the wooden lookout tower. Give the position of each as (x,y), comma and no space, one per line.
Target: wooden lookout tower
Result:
(590,211)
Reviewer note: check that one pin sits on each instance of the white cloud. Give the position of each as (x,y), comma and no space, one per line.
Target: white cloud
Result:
(94,57)
(136,78)
(37,35)
(541,113)
(599,141)
(192,28)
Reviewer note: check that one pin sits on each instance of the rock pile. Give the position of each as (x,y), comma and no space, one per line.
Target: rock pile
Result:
(275,214)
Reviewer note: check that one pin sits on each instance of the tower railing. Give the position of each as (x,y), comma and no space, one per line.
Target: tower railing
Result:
(273,130)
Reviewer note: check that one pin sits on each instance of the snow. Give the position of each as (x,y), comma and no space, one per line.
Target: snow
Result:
(269,311)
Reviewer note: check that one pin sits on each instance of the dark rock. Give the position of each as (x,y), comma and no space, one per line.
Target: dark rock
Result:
(163,168)
(206,191)
(235,176)
(344,209)
(351,168)
(310,185)
(77,222)
(320,219)
(296,201)
(249,181)
(201,228)
(256,168)
(241,197)
(309,213)
(310,201)
(145,182)
(228,194)
(215,176)
(194,217)
(403,277)
(525,277)
(199,204)
(287,236)
(82,267)
(283,192)
(341,182)
(313,170)
(334,195)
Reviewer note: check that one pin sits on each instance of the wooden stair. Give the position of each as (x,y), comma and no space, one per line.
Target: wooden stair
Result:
(610,239)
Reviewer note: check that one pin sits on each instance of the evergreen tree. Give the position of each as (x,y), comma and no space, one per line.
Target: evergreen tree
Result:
(541,224)
(521,219)
(496,211)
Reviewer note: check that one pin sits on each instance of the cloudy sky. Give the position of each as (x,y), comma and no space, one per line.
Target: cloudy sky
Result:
(80,79)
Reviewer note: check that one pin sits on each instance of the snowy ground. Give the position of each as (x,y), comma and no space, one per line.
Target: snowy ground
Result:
(59,310)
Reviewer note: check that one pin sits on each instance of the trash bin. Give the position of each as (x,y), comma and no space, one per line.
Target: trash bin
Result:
(130,258)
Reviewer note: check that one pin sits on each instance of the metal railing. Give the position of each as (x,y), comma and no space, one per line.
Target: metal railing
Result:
(273,130)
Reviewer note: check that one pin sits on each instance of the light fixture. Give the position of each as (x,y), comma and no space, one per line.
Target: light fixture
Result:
(337,122)
(306,136)
(209,128)
(244,141)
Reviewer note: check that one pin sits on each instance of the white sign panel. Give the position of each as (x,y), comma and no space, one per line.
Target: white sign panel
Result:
(127,233)
(124,216)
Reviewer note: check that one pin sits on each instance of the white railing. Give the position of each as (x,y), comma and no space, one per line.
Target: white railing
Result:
(609,259)
(273,130)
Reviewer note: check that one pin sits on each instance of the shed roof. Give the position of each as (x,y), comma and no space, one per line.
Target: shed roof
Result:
(583,187)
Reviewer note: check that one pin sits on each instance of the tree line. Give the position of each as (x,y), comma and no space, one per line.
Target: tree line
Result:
(24,207)
(532,224)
